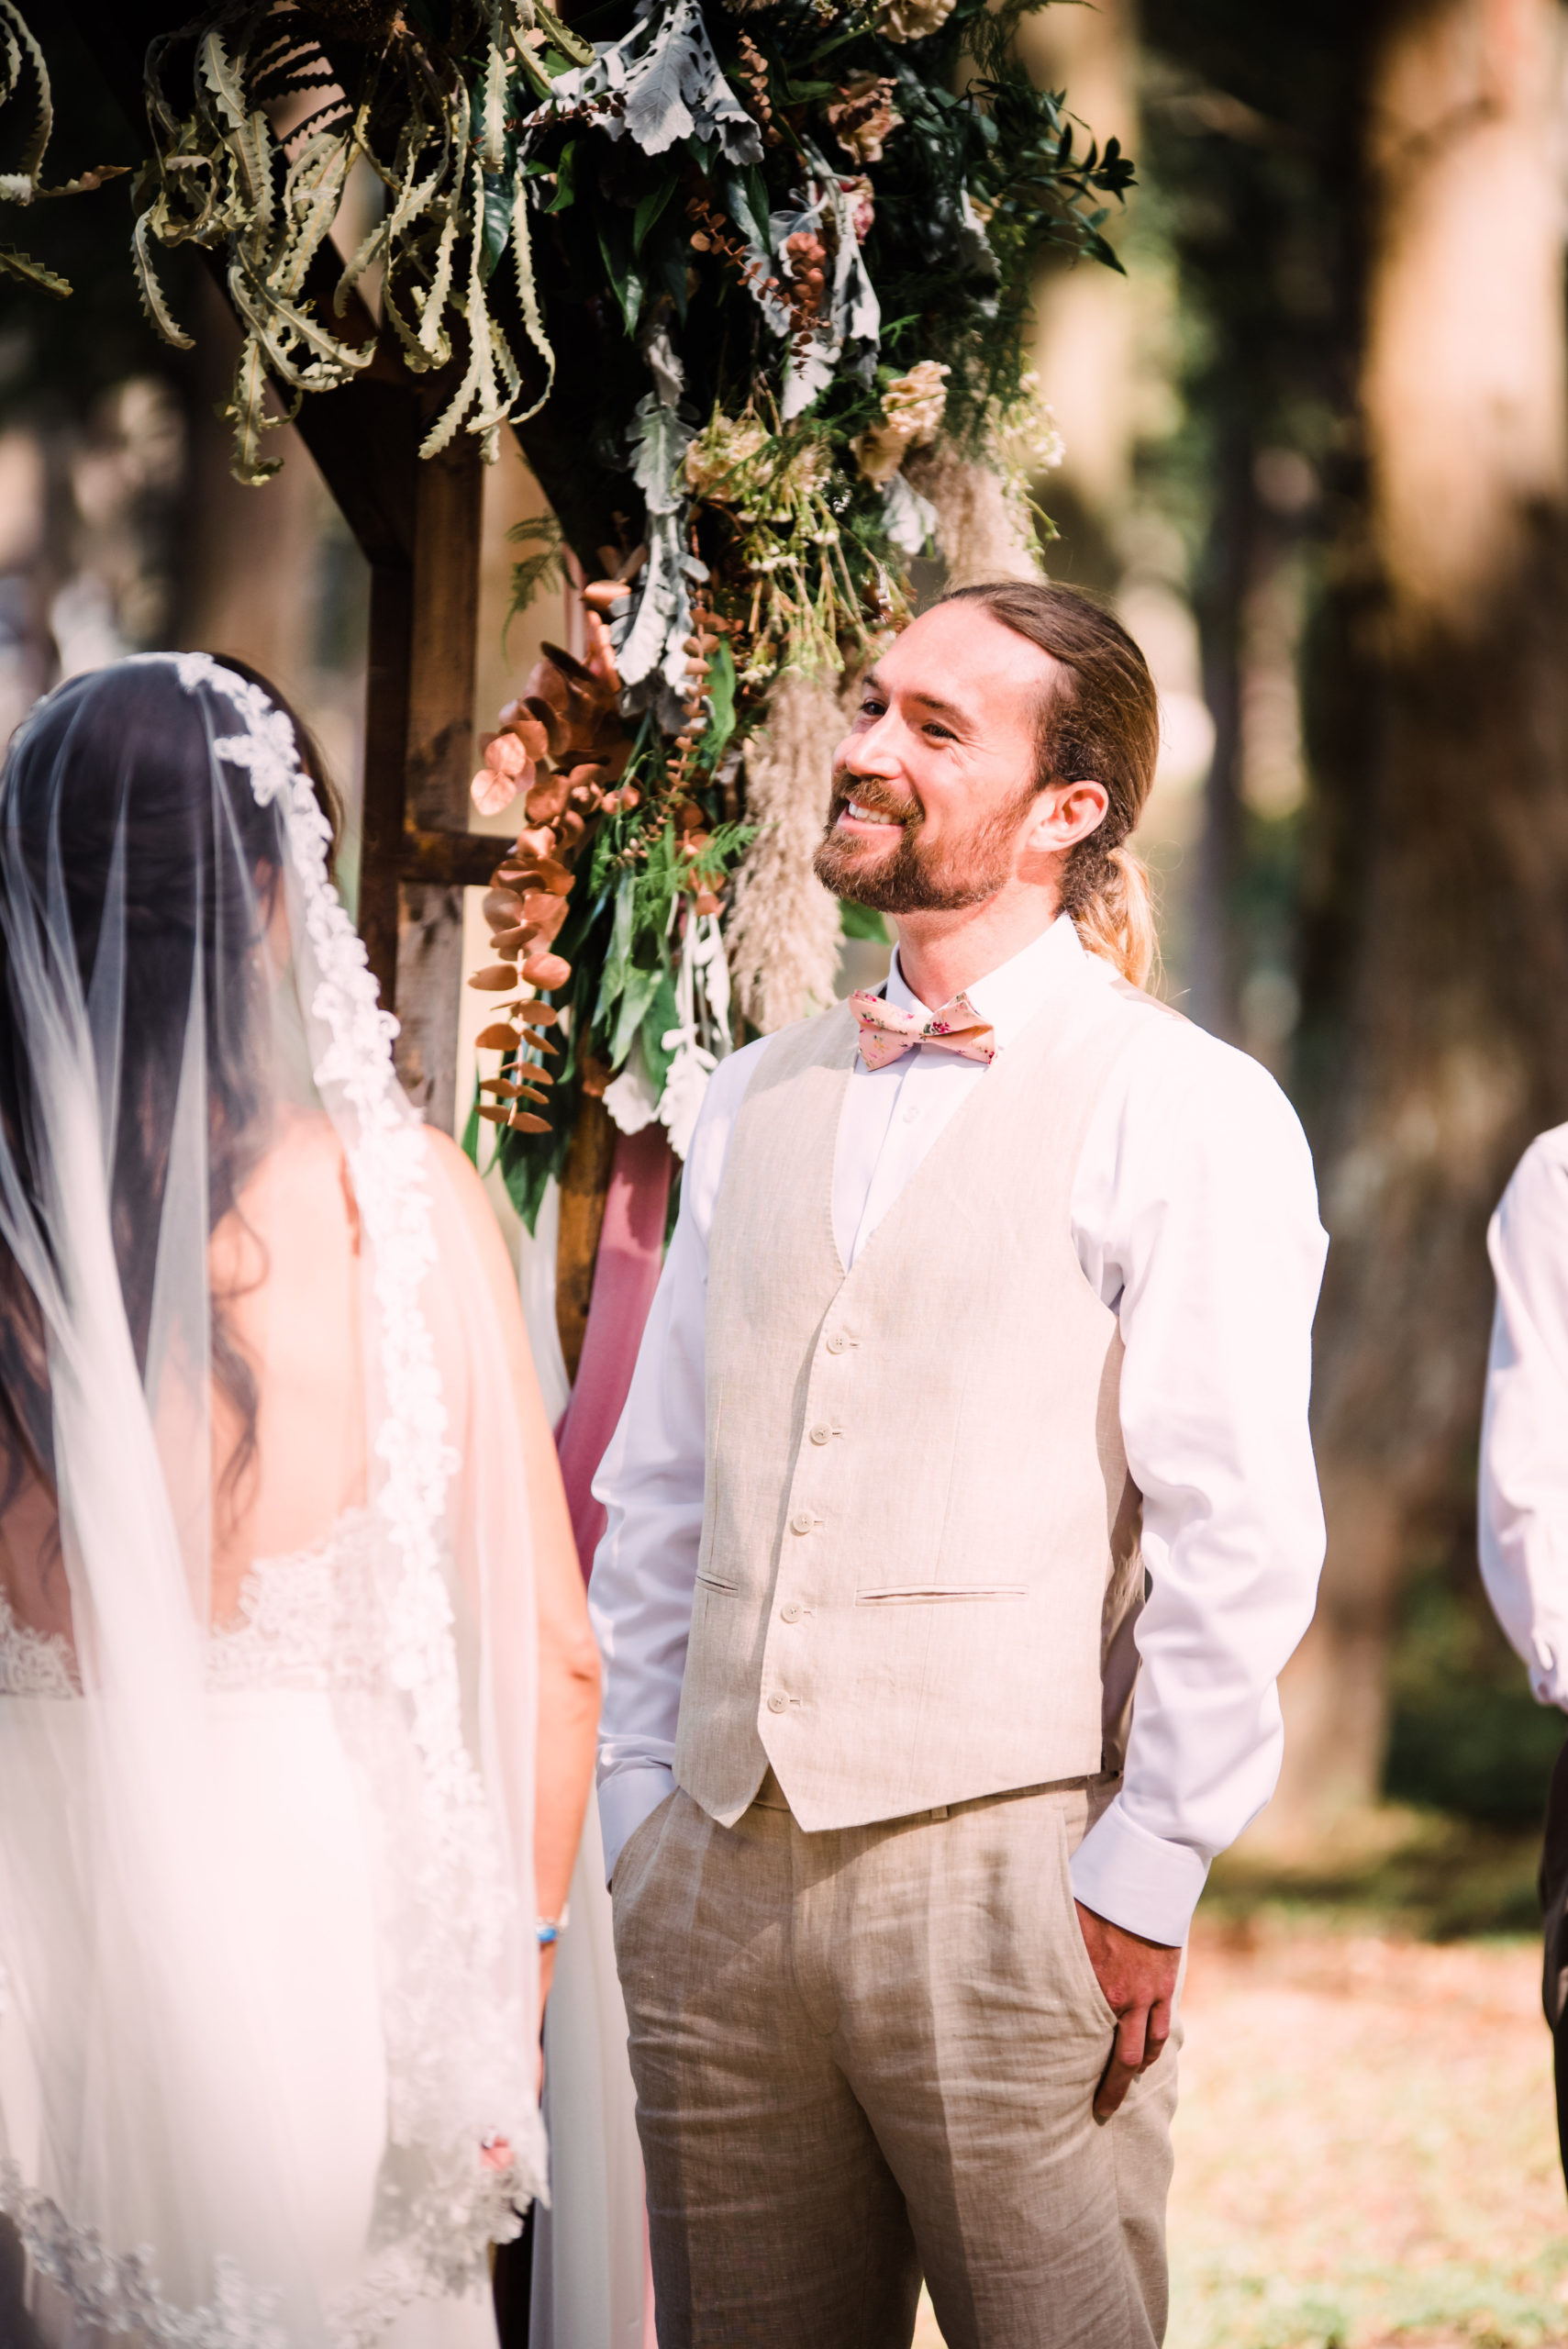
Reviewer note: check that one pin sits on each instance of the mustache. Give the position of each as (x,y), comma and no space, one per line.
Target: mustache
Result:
(874,797)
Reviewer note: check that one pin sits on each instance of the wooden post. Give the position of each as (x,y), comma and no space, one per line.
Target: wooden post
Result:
(584,1188)
(448,500)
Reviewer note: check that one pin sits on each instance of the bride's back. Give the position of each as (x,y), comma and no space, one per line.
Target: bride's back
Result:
(286,1265)
(144,903)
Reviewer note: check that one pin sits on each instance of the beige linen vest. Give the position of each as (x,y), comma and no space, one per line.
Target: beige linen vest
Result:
(919,1562)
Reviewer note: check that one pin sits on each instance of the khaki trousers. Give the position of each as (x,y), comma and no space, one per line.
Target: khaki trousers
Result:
(870,2053)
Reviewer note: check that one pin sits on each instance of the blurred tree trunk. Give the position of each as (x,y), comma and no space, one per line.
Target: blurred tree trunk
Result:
(1435,1032)
(1085,318)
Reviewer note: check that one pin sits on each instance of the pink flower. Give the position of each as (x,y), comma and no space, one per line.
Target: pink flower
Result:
(863,206)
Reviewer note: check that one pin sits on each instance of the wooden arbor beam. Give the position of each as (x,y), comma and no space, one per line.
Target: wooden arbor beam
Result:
(418,524)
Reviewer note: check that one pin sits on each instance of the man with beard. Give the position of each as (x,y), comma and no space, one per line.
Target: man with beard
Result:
(961,1519)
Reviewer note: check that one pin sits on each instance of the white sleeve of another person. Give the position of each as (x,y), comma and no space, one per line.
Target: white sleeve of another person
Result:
(1524,1437)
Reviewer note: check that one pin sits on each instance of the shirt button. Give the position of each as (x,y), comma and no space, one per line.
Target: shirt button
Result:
(777,1703)
(911,1113)
(791,1613)
(801,1522)
(837,1342)
(820,1434)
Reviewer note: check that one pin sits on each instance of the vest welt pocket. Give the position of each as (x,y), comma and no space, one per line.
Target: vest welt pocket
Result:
(928,1594)
(716,1582)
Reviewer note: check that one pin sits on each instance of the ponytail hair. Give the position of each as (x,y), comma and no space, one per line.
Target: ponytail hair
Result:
(1100,724)
(1117,918)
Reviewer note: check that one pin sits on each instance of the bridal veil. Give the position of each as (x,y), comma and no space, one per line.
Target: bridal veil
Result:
(267,1976)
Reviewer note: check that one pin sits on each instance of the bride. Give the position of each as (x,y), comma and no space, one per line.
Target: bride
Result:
(296,1689)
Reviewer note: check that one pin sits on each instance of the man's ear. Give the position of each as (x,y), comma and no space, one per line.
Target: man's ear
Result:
(1064,813)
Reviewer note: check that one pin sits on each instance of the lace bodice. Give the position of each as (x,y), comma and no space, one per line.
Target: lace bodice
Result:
(310,1619)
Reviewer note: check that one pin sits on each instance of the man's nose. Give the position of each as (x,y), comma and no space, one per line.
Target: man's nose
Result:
(870,749)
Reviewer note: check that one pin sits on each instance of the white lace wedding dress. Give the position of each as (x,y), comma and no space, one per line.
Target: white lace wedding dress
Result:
(268,1978)
(307,1649)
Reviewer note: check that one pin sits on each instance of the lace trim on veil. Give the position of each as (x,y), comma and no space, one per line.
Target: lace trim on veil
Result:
(439,2208)
(119,2293)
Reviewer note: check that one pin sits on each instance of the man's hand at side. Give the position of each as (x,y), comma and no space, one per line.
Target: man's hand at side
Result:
(1139,1979)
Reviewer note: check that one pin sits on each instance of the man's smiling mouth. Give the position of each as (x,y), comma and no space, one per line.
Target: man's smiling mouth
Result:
(858,814)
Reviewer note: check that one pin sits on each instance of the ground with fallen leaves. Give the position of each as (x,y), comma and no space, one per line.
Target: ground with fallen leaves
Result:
(1366,2152)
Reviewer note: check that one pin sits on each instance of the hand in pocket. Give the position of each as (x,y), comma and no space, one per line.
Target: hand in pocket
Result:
(1138,1979)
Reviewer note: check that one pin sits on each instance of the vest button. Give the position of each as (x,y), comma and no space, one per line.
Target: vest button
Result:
(837,1342)
(778,1703)
(821,1434)
(793,1613)
(801,1521)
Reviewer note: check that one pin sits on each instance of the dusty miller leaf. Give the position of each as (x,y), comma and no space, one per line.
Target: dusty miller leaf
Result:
(666,72)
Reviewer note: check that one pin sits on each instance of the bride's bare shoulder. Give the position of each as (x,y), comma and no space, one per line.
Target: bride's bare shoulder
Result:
(453,1173)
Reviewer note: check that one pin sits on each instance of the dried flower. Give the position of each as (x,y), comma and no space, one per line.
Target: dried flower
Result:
(784,936)
(862,204)
(863,117)
(903,20)
(719,451)
(912,412)
(807,469)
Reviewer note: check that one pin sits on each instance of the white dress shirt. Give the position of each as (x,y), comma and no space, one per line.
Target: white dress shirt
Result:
(1524,1433)
(1195,1216)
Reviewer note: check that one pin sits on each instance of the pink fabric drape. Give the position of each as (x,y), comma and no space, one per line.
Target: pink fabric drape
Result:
(631,1249)
(632,1252)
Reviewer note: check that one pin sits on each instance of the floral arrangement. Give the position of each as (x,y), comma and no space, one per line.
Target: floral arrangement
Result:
(776,256)
(809,229)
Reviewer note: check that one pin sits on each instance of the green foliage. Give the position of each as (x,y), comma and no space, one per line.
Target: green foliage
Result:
(1466,1738)
(1495,2304)
(863,921)
(542,569)
(621,937)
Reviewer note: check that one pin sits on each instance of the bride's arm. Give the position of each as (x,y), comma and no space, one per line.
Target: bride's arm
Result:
(568,1658)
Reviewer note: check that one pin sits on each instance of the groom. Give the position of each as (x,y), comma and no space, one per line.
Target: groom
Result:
(960,1518)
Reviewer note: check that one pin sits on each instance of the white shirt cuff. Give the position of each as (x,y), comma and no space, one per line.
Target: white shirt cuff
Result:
(1137,1880)
(629,1796)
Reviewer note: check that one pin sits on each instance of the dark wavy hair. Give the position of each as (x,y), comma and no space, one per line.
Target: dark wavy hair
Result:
(113,804)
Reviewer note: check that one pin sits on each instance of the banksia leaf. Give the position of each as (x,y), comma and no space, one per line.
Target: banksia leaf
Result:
(32,272)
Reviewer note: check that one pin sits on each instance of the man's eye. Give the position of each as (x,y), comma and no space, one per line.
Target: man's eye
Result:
(945,732)
(873,708)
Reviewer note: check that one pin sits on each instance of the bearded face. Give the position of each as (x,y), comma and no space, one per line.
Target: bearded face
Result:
(877,851)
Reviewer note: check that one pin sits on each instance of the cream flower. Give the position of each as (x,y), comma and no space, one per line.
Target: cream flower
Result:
(912,410)
(721,448)
(807,469)
(903,20)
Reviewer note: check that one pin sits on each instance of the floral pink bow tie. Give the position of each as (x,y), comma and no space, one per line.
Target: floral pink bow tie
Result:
(887,1034)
